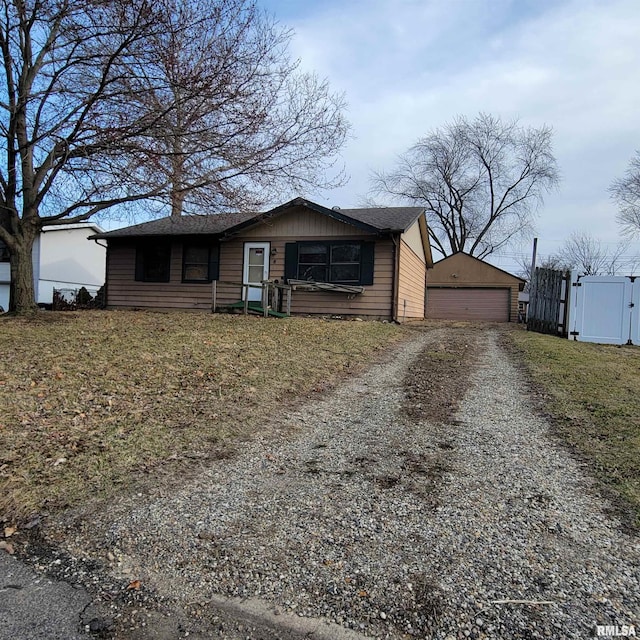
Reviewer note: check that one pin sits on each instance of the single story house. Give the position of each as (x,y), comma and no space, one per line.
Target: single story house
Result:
(62,259)
(462,287)
(364,262)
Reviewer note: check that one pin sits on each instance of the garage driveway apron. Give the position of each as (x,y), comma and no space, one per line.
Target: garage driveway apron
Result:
(395,528)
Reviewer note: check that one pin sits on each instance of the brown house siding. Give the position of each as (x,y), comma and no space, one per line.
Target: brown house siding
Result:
(299,223)
(125,291)
(375,301)
(411,284)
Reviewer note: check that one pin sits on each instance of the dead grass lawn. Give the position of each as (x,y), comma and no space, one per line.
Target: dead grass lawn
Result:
(92,400)
(594,393)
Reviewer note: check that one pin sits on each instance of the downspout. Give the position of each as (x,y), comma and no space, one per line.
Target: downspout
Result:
(396,273)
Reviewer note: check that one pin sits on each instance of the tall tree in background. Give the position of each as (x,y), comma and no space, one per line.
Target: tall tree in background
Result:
(246,124)
(583,253)
(626,193)
(524,270)
(481,182)
(90,120)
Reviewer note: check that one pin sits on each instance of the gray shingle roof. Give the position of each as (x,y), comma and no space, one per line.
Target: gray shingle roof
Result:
(381,219)
(386,218)
(182,226)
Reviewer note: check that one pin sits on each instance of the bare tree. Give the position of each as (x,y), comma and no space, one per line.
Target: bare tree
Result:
(626,193)
(583,253)
(62,111)
(552,261)
(247,125)
(480,181)
(79,137)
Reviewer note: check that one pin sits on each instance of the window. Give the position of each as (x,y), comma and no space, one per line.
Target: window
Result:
(200,261)
(4,252)
(338,262)
(312,262)
(195,263)
(344,265)
(153,262)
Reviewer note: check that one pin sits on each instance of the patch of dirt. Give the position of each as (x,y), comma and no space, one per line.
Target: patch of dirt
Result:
(438,379)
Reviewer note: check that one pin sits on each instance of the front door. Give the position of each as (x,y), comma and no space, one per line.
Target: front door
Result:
(256,267)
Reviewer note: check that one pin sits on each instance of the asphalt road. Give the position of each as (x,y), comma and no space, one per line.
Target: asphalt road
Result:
(33,607)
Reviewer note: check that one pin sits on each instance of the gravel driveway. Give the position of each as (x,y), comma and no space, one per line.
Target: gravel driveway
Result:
(389,526)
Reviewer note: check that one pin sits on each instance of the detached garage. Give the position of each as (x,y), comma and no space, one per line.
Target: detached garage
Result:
(461,287)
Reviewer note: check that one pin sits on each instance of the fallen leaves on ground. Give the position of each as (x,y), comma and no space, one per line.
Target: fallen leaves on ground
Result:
(95,401)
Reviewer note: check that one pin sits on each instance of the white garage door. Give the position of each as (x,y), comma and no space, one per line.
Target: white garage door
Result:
(468,304)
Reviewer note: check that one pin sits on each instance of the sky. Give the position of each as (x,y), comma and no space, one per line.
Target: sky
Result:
(407,67)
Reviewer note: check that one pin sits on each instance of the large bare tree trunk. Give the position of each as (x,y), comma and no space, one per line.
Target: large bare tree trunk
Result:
(177,203)
(22,298)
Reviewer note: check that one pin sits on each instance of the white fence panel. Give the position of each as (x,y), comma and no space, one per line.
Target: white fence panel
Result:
(634,311)
(602,310)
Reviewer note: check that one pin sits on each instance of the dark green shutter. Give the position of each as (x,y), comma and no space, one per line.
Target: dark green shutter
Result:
(290,261)
(139,263)
(366,263)
(214,261)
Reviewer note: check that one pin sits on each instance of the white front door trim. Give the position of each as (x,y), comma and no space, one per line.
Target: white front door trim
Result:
(253,253)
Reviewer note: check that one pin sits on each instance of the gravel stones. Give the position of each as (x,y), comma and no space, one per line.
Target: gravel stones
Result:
(396,526)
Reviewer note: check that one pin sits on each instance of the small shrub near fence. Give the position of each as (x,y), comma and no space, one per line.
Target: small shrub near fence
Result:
(74,299)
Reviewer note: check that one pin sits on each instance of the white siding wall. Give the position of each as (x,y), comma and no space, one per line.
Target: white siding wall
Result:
(4,296)
(68,260)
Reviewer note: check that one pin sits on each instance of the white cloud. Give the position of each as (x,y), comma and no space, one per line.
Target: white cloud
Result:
(409,66)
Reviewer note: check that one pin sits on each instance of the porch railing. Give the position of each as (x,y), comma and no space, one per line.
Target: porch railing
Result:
(272,296)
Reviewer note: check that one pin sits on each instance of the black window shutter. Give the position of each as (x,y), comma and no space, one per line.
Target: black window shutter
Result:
(290,261)
(139,263)
(366,262)
(214,261)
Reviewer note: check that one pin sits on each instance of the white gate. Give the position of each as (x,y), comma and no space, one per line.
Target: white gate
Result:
(605,309)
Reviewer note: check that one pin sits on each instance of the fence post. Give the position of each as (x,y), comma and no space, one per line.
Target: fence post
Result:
(265,299)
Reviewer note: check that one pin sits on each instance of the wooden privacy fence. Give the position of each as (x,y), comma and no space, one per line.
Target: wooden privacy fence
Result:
(548,302)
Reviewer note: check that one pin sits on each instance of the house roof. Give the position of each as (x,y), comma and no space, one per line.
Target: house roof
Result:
(387,218)
(488,264)
(182,226)
(373,220)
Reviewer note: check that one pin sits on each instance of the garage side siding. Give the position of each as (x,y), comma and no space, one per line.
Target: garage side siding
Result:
(411,284)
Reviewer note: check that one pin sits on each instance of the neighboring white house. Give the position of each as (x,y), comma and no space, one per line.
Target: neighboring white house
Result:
(63,258)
